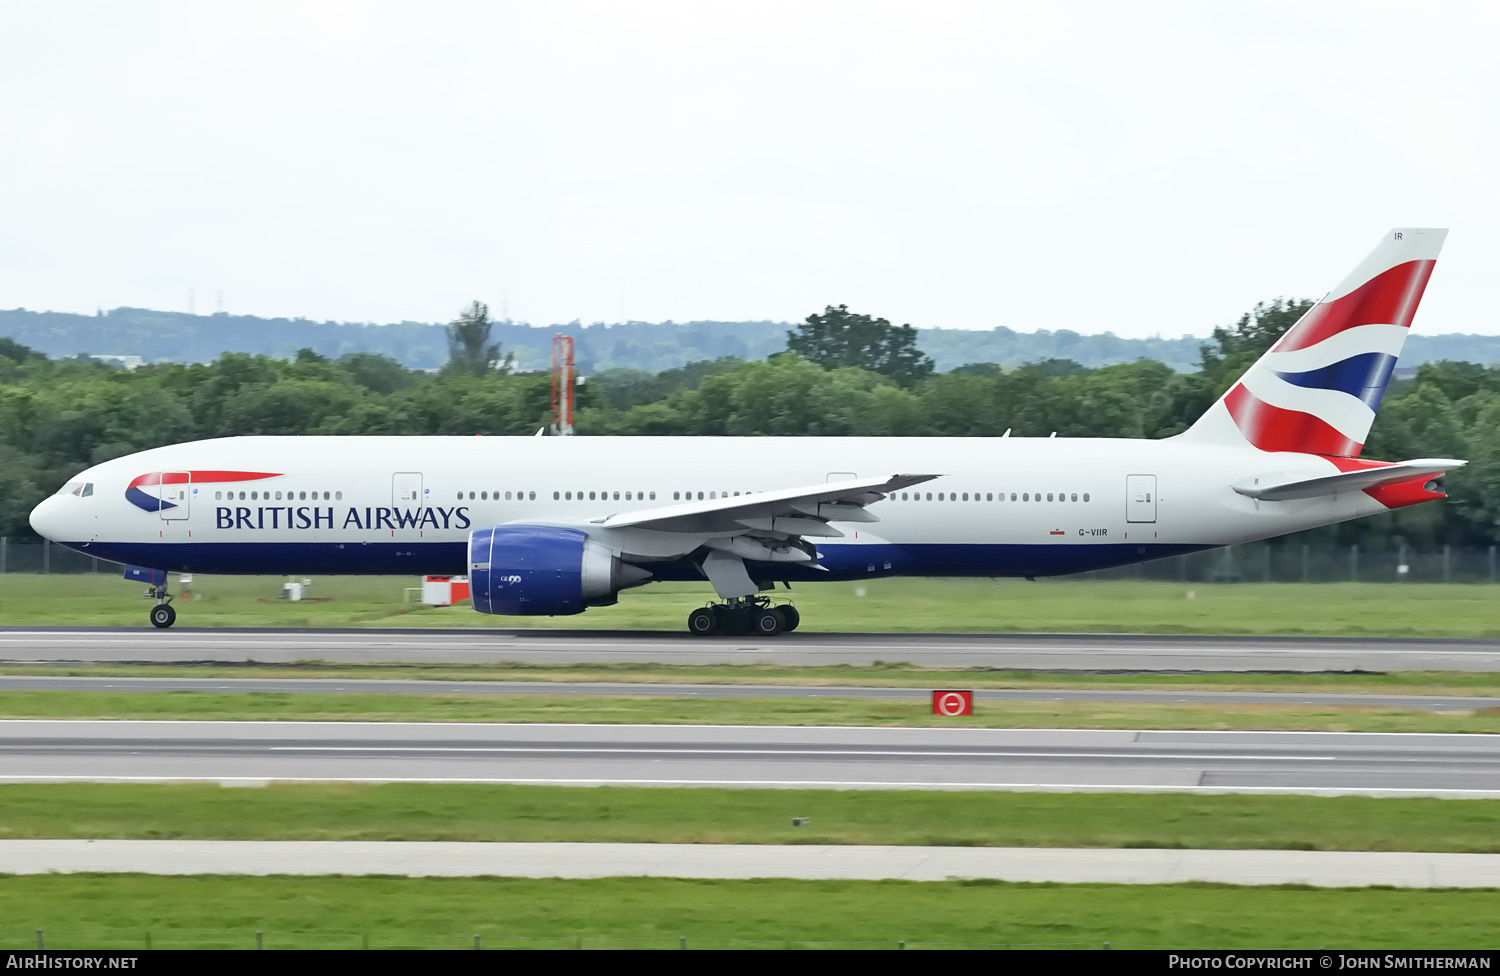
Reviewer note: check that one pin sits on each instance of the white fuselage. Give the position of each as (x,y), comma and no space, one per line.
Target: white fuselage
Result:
(1000,506)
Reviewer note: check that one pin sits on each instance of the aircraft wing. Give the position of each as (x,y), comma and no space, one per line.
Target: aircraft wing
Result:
(804,511)
(1349,480)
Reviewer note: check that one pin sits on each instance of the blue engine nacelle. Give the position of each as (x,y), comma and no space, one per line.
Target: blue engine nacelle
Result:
(536,570)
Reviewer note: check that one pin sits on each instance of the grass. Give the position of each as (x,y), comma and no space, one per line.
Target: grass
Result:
(786,914)
(259,706)
(906,605)
(880,675)
(709,815)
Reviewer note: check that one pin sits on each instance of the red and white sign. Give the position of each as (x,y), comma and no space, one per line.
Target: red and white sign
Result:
(953,703)
(444,591)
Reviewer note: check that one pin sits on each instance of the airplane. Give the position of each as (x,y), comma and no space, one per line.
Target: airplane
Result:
(555,525)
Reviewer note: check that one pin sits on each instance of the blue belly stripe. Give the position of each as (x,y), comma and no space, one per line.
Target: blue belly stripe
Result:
(840,562)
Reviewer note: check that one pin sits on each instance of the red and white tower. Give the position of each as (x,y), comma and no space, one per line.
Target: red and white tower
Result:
(564,381)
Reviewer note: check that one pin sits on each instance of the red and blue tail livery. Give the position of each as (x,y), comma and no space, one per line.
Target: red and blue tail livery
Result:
(1317,389)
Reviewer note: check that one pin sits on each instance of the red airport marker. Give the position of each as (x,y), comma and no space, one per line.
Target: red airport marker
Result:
(952,703)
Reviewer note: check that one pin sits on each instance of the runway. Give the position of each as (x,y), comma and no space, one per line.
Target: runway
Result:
(1066,865)
(327,686)
(776,757)
(1047,652)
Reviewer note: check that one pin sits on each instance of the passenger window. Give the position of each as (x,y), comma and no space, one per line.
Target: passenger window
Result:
(989,497)
(554,496)
(1085,496)
(700,496)
(1075,496)
(533,496)
(570,495)
(617,496)
(1049,496)
(338,496)
(460,496)
(653,496)
(302,496)
(218,495)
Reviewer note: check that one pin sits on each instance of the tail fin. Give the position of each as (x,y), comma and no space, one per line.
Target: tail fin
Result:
(1316,390)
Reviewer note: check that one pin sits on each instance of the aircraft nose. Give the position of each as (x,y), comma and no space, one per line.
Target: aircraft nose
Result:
(49,519)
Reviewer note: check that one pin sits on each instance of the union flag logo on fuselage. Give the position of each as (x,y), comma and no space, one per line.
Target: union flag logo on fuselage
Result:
(149,502)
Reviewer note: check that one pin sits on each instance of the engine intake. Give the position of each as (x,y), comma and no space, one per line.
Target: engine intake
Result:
(539,570)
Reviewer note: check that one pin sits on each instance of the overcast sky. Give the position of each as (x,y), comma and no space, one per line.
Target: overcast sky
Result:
(1139,167)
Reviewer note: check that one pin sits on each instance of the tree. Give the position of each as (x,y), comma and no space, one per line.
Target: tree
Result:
(840,338)
(469,348)
(1235,348)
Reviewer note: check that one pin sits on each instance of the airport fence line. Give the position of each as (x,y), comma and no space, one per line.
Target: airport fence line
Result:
(1269,562)
(1257,562)
(79,939)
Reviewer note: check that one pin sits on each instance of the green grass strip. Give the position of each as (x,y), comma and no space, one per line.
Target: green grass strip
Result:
(886,675)
(891,605)
(347,912)
(482,812)
(617,710)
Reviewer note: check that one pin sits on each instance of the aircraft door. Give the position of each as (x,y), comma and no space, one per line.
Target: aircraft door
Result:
(176,493)
(1140,498)
(406,489)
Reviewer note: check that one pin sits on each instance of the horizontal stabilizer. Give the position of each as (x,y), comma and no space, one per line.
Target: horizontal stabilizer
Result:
(1357,480)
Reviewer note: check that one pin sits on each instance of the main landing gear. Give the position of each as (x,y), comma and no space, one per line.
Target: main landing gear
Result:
(162,615)
(744,615)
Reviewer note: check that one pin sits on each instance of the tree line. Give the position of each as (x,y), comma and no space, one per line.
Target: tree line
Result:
(840,374)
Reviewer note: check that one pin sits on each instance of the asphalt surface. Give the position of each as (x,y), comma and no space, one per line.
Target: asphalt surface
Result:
(845,758)
(1087,652)
(427,859)
(325,686)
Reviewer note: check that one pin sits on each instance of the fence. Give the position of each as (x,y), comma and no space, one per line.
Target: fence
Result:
(1262,562)
(72,939)
(40,556)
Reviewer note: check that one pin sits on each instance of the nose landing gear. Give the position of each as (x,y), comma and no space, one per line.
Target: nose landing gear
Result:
(162,615)
(743,615)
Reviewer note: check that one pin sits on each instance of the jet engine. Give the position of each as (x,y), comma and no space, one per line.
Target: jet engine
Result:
(540,570)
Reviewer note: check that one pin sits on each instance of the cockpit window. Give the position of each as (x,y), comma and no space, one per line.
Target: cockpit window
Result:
(88,489)
(80,488)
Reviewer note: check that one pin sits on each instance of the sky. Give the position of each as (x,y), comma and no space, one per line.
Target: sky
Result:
(1139,167)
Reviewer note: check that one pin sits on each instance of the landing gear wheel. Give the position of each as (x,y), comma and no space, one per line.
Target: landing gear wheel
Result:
(703,621)
(736,621)
(791,616)
(162,615)
(768,622)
